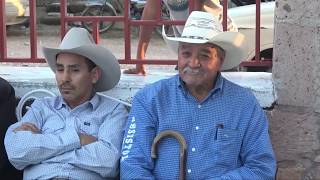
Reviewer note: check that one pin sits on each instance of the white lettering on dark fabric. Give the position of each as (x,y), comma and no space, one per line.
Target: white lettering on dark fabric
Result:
(128,140)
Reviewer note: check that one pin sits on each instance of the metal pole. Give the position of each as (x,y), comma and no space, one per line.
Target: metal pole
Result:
(127,29)
(225,15)
(95,30)
(63,14)
(258,10)
(3,34)
(33,30)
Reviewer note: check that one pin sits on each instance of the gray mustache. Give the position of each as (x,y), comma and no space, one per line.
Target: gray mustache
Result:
(192,71)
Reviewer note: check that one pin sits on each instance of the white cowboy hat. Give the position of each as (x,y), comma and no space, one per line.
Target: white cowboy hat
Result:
(79,41)
(202,27)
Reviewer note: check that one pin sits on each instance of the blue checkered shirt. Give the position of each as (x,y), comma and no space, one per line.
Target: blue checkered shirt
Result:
(226,134)
(56,152)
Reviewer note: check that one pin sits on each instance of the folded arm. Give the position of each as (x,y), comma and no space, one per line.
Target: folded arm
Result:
(25,147)
(101,155)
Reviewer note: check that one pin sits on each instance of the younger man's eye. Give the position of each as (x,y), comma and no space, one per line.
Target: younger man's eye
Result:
(59,69)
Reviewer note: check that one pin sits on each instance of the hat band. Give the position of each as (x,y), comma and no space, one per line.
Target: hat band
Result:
(195,37)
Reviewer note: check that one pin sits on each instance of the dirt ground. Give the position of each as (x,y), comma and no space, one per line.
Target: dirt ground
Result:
(18,43)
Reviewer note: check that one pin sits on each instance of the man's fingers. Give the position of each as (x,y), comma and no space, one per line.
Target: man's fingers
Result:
(27,127)
(32,127)
(19,129)
(86,139)
(22,127)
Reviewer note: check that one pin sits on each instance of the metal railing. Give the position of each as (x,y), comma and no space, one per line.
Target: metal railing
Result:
(128,23)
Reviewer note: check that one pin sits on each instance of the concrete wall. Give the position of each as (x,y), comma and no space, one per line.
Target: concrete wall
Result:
(295,120)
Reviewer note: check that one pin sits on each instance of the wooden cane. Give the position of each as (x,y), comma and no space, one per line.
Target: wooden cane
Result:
(183,149)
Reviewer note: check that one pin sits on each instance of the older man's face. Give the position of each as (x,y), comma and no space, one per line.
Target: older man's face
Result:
(75,79)
(198,64)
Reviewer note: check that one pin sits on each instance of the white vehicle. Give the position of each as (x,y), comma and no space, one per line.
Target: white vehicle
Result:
(17,12)
(245,19)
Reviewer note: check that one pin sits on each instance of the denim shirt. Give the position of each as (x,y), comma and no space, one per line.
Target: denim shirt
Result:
(226,134)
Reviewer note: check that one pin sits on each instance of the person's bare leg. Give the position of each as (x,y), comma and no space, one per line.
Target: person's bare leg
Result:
(139,70)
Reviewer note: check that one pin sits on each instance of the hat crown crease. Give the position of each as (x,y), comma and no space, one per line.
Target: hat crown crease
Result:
(205,27)
(72,40)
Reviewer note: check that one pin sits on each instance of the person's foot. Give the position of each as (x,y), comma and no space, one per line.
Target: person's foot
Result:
(135,71)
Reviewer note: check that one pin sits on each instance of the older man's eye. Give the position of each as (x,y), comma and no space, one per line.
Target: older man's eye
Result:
(206,56)
(185,53)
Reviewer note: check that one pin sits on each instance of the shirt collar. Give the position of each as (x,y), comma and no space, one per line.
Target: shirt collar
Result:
(59,103)
(93,102)
(219,83)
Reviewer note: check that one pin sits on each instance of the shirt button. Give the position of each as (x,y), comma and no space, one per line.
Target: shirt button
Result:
(197,127)
(193,149)
(189,171)
(199,106)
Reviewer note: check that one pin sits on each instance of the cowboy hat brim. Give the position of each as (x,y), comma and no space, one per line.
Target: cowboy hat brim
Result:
(97,54)
(233,43)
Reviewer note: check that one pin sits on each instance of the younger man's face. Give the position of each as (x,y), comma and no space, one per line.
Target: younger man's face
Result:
(75,80)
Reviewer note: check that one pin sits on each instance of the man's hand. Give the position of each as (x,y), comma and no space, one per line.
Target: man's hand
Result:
(28,127)
(86,139)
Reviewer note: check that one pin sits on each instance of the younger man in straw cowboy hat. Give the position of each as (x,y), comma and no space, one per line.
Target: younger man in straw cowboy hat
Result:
(225,129)
(76,135)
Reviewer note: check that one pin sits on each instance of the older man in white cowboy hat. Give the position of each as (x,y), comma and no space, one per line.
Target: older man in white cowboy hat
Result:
(76,135)
(225,129)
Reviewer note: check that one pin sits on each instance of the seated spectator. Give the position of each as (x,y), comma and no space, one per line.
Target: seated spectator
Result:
(7,117)
(78,134)
(224,127)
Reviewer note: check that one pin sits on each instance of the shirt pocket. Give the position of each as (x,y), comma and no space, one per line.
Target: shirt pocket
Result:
(227,147)
(53,126)
(90,127)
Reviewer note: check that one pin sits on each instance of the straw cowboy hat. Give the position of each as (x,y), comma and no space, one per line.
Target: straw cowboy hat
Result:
(203,27)
(79,41)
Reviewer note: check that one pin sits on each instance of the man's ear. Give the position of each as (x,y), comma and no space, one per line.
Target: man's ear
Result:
(222,60)
(96,74)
